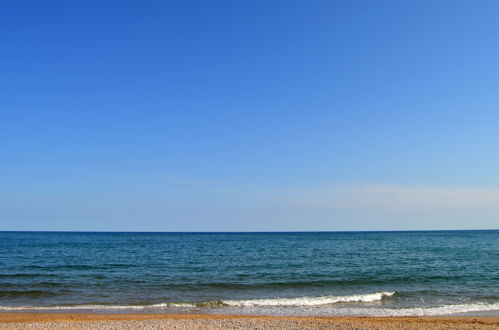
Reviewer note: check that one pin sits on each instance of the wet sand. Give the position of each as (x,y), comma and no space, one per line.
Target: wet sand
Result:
(207,321)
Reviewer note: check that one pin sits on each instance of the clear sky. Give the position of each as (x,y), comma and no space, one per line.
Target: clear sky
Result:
(249,115)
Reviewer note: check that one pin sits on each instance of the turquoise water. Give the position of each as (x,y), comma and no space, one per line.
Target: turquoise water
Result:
(326,273)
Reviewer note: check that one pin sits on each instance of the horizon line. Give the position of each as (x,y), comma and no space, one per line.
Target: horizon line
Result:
(243,232)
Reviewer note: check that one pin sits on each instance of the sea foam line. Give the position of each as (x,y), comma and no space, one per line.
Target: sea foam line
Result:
(308,301)
(296,301)
(303,310)
(439,310)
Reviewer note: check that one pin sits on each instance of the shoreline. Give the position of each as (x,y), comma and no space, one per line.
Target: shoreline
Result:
(16,320)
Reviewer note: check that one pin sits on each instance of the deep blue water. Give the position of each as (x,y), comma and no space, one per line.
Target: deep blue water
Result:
(331,273)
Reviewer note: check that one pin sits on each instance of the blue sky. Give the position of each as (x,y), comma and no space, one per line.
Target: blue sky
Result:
(249,115)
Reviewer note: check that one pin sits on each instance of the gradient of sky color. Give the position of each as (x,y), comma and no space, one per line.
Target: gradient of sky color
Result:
(249,115)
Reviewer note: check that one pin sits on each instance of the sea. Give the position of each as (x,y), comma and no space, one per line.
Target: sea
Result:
(276,273)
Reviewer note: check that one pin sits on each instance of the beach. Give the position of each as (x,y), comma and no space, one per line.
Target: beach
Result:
(206,321)
(249,165)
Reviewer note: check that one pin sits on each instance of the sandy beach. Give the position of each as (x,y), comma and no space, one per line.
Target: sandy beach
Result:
(206,321)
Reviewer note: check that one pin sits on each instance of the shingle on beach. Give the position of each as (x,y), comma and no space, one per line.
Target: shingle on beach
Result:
(104,322)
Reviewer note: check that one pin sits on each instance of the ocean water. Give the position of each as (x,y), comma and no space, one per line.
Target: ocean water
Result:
(323,273)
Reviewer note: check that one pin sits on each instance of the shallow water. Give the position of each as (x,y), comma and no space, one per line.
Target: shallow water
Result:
(326,273)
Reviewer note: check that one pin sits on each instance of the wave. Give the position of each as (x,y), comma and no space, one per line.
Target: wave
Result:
(282,302)
(29,293)
(22,275)
(438,310)
(308,301)
(306,284)
(415,311)
(322,305)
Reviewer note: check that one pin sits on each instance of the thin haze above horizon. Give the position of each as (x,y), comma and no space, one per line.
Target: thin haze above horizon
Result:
(249,116)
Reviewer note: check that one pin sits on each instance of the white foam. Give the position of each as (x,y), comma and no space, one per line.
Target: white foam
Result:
(76,307)
(297,301)
(99,307)
(439,310)
(328,310)
(308,301)
(281,306)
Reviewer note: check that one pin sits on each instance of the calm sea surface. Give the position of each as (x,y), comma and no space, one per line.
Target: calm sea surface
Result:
(327,273)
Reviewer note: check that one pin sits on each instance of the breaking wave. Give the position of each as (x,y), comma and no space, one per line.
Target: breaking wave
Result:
(282,302)
(308,301)
(438,310)
(322,305)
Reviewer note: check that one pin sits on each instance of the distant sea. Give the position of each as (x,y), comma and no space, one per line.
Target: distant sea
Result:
(309,273)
